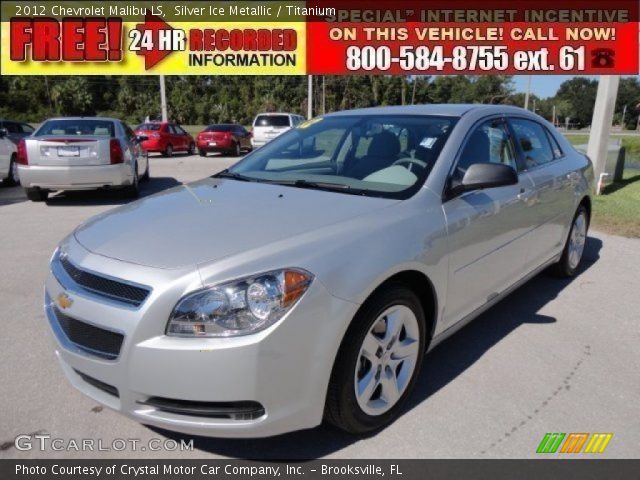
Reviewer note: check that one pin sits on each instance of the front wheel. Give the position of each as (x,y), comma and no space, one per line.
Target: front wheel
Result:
(574,246)
(378,362)
(236,150)
(192,149)
(168,152)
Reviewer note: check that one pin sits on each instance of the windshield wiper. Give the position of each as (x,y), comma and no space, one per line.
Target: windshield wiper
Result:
(235,176)
(337,187)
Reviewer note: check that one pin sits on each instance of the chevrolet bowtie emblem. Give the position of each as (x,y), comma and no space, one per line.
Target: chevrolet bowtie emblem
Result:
(64,301)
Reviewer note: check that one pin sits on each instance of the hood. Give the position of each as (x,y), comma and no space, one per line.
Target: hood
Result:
(214,218)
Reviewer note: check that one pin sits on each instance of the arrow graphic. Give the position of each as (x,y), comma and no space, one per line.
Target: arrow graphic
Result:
(154,24)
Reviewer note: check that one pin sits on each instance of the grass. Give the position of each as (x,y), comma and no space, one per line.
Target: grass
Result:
(630,143)
(617,210)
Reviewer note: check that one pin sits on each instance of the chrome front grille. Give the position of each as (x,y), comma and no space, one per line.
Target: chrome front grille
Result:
(100,285)
(90,339)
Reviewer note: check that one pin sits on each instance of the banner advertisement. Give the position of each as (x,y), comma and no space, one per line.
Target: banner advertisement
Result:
(325,37)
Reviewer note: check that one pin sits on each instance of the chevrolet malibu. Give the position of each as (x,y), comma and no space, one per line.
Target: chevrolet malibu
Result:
(307,282)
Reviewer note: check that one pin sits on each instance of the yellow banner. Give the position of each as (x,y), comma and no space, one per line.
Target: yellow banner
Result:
(207,49)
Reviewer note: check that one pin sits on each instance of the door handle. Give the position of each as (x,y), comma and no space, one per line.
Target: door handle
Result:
(524,195)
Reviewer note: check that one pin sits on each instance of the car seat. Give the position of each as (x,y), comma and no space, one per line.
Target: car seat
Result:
(382,152)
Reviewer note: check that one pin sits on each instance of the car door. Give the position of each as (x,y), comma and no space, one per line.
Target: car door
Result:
(544,163)
(486,228)
(138,154)
(175,139)
(185,141)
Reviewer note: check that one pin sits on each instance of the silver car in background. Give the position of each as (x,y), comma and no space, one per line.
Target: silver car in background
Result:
(308,281)
(81,153)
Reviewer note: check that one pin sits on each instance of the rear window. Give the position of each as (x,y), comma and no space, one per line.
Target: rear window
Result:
(77,128)
(220,128)
(149,126)
(272,121)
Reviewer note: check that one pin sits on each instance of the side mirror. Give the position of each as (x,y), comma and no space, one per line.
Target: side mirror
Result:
(141,138)
(486,175)
(3,132)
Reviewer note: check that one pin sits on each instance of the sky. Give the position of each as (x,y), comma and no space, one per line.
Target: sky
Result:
(543,85)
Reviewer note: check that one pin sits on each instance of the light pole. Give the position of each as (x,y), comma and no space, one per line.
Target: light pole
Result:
(526,97)
(601,123)
(163,99)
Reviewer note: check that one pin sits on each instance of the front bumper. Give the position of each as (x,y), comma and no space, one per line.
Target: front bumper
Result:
(76,177)
(284,369)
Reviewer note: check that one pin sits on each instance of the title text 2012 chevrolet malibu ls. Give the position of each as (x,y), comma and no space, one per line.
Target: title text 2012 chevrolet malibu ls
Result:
(308,280)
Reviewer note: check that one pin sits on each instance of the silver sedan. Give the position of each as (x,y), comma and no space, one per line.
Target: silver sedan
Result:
(81,153)
(307,282)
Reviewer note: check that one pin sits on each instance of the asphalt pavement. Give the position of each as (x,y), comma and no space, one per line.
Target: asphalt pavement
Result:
(555,356)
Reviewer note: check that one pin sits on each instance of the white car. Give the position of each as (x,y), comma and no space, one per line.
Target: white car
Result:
(267,126)
(8,162)
(81,153)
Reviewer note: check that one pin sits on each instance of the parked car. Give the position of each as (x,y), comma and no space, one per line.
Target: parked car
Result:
(166,138)
(267,126)
(16,130)
(229,138)
(8,160)
(307,281)
(81,153)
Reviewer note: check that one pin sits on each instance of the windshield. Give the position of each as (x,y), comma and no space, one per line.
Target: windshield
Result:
(272,121)
(388,156)
(79,127)
(149,126)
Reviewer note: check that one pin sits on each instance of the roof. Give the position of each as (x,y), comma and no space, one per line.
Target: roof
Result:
(444,109)
(277,113)
(84,118)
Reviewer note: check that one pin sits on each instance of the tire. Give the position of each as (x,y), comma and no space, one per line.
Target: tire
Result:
(203,153)
(236,150)
(13,177)
(168,152)
(192,149)
(36,194)
(132,191)
(146,175)
(573,250)
(374,408)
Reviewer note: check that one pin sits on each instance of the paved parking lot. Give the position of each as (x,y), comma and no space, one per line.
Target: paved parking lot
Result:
(556,356)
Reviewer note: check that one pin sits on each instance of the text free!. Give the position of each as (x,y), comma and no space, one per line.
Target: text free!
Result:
(95,39)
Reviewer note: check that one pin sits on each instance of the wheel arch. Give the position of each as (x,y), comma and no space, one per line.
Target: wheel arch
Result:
(586,202)
(420,284)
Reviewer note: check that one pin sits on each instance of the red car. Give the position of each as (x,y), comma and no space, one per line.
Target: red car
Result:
(224,137)
(165,138)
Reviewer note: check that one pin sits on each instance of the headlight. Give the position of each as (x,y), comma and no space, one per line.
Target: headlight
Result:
(240,307)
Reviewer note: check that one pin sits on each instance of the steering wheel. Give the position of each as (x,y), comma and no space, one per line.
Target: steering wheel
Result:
(410,161)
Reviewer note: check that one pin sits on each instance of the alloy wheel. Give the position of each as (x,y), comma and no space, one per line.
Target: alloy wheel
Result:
(387,360)
(577,240)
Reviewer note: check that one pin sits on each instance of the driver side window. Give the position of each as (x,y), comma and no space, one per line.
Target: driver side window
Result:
(489,143)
